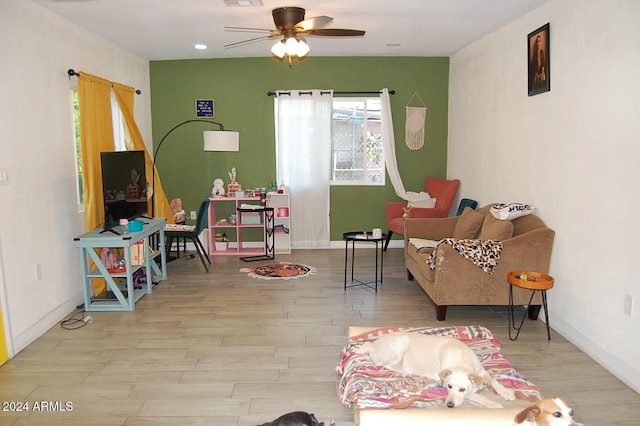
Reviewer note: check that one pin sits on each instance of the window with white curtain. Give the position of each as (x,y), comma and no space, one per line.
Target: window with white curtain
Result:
(322,140)
(357,154)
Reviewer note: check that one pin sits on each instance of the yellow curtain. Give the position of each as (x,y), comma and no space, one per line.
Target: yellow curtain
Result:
(4,353)
(124,95)
(96,133)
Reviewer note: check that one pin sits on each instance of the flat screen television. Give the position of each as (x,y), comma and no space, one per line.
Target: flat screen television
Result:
(124,187)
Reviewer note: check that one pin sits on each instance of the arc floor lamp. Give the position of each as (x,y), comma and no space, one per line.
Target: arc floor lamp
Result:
(219,140)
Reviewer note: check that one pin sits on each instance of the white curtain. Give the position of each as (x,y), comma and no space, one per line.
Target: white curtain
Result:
(389,145)
(303,161)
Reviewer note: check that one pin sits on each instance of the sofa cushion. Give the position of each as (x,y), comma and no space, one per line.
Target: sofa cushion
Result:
(468,224)
(495,229)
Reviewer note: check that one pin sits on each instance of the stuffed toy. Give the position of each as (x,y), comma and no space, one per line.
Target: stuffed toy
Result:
(218,188)
(179,215)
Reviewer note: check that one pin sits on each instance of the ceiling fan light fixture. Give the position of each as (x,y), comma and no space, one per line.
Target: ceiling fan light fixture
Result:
(290,26)
(291,46)
(278,49)
(302,48)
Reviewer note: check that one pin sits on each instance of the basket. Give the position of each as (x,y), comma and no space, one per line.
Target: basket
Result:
(135,226)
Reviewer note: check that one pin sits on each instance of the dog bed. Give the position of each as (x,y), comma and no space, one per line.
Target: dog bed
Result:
(380,396)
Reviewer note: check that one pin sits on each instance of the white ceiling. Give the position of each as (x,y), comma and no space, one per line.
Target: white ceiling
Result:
(168,29)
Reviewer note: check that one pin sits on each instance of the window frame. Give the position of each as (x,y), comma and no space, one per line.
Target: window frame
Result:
(367,121)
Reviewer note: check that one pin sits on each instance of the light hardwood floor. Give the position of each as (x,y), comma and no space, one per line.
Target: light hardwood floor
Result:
(224,349)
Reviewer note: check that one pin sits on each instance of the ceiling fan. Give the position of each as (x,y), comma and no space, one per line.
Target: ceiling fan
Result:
(290,28)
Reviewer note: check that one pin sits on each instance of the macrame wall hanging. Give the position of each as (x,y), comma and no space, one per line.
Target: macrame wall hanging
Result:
(416,118)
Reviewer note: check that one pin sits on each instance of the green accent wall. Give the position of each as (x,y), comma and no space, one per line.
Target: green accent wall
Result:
(239,88)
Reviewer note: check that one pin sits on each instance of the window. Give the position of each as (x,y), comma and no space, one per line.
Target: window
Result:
(119,136)
(357,154)
(78,145)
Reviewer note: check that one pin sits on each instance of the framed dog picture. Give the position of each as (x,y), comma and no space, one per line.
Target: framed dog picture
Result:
(538,57)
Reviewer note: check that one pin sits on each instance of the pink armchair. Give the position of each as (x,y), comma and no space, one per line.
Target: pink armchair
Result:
(444,191)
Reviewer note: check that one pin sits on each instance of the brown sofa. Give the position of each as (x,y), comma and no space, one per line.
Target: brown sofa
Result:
(458,281)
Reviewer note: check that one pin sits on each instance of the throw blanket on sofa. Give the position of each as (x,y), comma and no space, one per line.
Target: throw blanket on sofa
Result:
(485,254)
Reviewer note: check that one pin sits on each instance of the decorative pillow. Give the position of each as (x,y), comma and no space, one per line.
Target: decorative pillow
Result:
(425,204)
(420,199)
(468,224)
(511,211)
(495,229)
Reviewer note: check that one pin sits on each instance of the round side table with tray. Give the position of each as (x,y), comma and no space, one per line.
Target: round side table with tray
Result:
(363,237)
(534,281)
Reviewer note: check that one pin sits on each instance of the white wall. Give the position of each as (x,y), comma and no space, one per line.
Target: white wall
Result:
(39,215)
(573,152)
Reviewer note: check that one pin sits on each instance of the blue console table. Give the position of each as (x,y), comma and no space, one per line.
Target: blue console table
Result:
(121,294)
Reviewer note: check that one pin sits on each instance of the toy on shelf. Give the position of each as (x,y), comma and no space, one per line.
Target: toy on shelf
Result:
(218,188)
(233,186)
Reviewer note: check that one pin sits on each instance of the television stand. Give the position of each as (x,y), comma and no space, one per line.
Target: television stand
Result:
(110,230)
(121,293)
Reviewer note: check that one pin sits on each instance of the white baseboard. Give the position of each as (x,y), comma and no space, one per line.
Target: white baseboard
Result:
(340,245)
(256,244)
(629,374)
(24,339)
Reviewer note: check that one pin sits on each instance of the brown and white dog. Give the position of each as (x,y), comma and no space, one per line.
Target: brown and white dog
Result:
(546,412)
(438,358)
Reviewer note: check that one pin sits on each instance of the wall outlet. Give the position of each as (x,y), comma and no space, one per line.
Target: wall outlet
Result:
(192,214)
(628,304)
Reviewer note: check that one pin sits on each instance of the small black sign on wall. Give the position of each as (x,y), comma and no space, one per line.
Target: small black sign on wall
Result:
(205,108)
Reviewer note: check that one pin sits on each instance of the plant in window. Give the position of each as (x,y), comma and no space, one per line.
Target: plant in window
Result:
(372,146)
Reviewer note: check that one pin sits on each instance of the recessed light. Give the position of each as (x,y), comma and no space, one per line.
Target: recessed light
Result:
(393,44)
(200,46)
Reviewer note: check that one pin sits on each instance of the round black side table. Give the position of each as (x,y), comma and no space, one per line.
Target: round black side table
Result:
(354,237)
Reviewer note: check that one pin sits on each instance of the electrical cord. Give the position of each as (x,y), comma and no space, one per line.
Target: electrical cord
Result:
(76,320)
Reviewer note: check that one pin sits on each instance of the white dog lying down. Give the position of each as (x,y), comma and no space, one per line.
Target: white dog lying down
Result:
(547,412)
(438,358)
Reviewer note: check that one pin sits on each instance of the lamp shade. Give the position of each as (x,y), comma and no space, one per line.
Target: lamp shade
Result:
(278,49)
(221,141)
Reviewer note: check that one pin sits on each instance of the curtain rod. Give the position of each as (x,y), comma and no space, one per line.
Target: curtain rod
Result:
(302,92)
(74,73)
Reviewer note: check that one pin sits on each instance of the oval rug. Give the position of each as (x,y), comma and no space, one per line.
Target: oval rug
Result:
(280,271)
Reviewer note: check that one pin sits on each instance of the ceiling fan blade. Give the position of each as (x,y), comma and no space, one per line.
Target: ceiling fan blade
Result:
(334,32)
(253,30)
(251,40)
(311,23)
